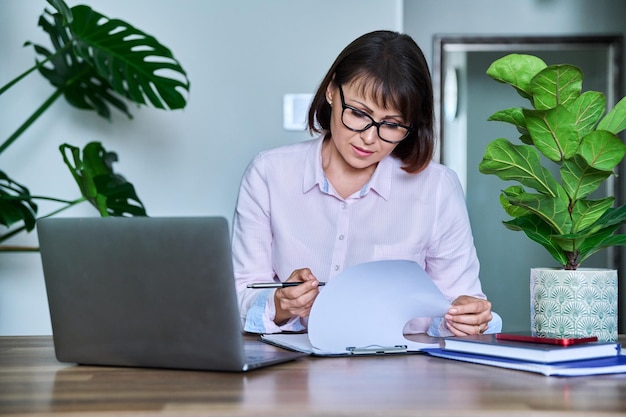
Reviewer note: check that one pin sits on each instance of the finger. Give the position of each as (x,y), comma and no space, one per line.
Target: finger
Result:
(470,319)
(475,307)
(309,283)
(295,300)
(462,329)
(304,275)
(459,329)
(307,275)
(294,293)
(469,323)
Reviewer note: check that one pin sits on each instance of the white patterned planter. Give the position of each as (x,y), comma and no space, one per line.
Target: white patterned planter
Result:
(574,303)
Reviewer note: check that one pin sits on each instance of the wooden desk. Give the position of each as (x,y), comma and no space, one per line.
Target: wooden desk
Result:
(33,382)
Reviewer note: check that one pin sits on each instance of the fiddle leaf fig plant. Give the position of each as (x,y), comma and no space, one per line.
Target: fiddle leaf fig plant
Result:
(571,130)
(97,64)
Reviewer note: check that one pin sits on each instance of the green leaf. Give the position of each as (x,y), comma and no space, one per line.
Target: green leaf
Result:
(510,209)
(599,235)
(615,216)
(556,85)
(96,58)
(586,212)
(602,150)
(538,231)
(553,132)
(519,163)
(109,192)
(615,120)
(16,204)
(514,116)
(81,85)
(579,179)
(566,243)
(552,210)
(130,60)
(588,109)
(602,239)
(63,9)
(526,138)
(516,70)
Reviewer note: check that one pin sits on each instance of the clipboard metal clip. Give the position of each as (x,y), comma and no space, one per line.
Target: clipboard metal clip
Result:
(376,350)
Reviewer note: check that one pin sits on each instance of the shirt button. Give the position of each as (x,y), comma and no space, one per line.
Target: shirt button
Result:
(336,267)
(340,237)
(343,206)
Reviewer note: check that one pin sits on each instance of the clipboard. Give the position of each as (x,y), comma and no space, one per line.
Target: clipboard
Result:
(364,309)
(300,342)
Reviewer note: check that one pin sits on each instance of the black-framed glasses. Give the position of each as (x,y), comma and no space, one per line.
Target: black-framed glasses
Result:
(359,121)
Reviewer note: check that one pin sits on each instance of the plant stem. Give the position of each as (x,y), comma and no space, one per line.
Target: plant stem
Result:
(22,228)
(19,249)
(572,261)
(38,197)
(31,119)
(16,80)
(35,67)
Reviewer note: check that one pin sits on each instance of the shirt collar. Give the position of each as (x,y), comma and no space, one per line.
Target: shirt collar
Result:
(314,173)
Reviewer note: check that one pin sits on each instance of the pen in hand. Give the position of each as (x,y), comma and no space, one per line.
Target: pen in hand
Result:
(280,284)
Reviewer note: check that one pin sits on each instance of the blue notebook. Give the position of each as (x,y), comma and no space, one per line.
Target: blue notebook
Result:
(608,365)
(491,345)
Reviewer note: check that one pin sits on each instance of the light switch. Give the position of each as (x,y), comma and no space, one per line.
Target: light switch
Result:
(295,111)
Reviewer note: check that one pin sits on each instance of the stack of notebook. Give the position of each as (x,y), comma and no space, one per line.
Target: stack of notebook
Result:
(545,357)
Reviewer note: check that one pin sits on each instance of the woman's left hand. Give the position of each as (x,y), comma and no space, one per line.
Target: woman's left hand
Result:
(468,315)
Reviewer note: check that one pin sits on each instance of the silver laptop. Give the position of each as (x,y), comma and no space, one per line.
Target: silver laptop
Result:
(147,292)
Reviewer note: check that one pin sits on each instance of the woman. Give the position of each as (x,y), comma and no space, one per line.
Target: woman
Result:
(365,190)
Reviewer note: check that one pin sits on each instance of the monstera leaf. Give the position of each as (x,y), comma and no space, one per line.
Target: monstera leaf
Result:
(15,203)
(107,191)
(129,59)
(96,58)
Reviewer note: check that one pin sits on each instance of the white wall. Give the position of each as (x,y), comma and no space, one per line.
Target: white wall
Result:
(241,57)
(424,18)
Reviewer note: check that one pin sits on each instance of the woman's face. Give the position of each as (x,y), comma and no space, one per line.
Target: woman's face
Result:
(364,149)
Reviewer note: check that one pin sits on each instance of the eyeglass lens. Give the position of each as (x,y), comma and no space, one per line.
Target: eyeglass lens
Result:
(357,120)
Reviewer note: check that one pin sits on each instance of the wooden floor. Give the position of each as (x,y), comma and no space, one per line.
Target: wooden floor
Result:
(32,382)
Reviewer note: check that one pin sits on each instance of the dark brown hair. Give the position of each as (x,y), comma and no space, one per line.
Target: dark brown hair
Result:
(391,67)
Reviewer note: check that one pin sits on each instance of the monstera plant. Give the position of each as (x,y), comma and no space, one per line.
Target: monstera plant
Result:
(573,131)
(97,64)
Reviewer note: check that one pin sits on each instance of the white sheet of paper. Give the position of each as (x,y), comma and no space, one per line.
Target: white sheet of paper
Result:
(369,304)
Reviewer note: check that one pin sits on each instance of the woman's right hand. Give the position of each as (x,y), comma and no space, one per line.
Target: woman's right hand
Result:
(296,301)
